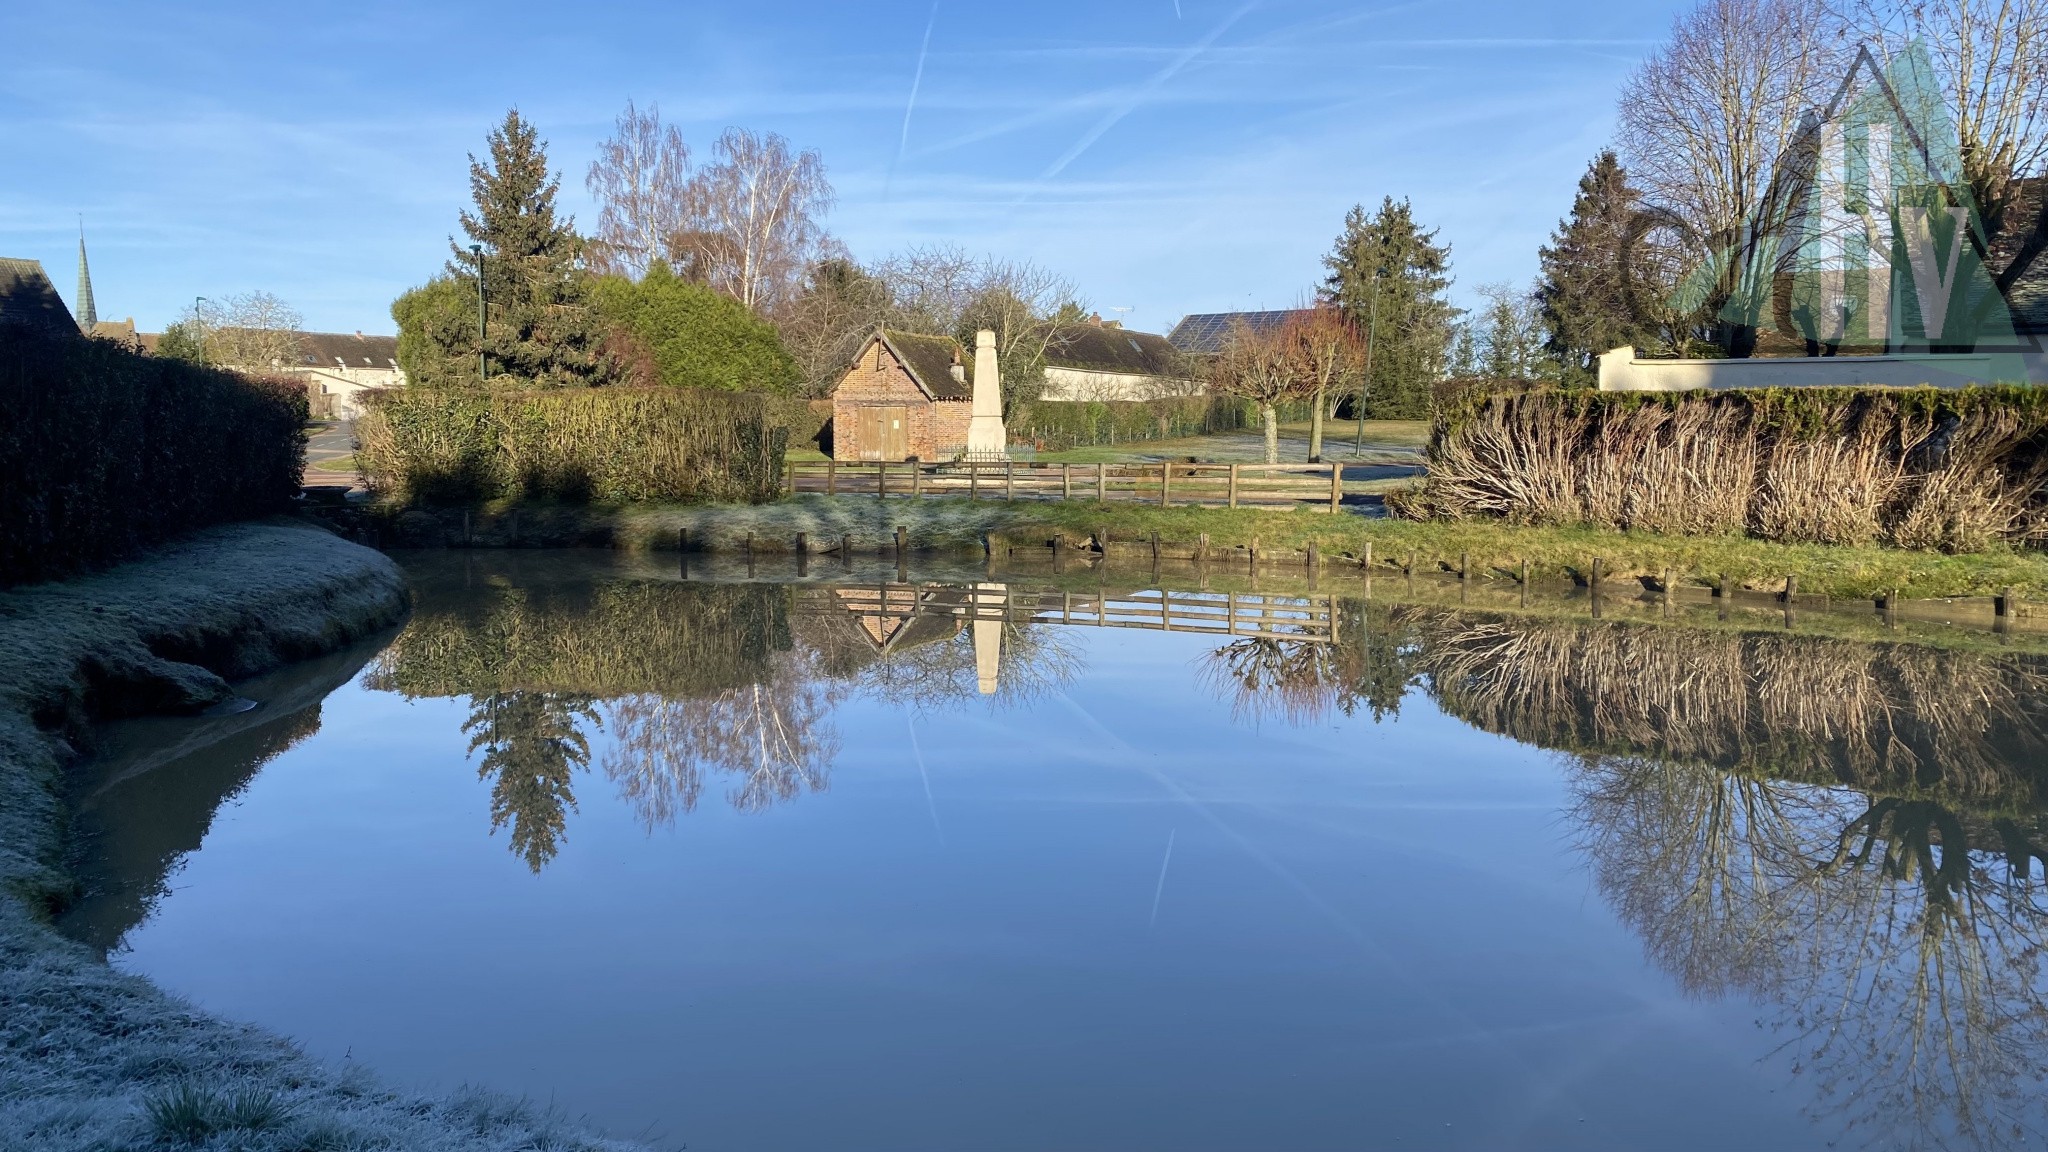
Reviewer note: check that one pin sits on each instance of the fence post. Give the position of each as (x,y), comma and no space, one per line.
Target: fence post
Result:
(1233,485)
(789,476)
(1336,486)
(1010,480)
(973,480)
(1102,482)
(803,554)
(916,478)
(1314,558)
(832,477)
(881,480)
(1066,481)
(846,552)
(1365,561)
(1165,484)
(1791,588)
(1465,566)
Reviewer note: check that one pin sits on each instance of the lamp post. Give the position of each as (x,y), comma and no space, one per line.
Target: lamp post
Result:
(483,374)
(199,323)
(1372,337)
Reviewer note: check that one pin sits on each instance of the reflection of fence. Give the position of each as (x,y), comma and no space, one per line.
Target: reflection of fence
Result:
(1222,485)
(1305,618)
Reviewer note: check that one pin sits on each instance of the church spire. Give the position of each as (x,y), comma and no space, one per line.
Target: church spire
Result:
(88,315)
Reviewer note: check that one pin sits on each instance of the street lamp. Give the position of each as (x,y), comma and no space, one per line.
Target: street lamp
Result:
(483,374)
(199,324)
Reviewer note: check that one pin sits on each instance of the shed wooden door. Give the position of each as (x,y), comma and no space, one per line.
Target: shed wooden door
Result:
(884,432)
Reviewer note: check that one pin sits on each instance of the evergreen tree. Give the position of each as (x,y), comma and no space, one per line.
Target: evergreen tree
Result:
(1390,277)
(688,335)
(533,746)
(437,334)
(543,332)
(1586,309)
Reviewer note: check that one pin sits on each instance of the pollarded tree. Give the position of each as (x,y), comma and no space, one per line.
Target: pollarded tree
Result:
(1329,356)
(1586,307)
(1259,366)
(543,333)
(1390,278)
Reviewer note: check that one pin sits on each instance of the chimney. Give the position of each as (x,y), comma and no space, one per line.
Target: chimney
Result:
(959,370)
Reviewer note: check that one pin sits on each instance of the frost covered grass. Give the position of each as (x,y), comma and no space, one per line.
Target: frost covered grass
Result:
(96,1060)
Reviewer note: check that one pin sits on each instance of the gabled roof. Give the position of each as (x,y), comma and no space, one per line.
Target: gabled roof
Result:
(930,360)
(1100,348)
(29,300)
(1205,333)
(353,349)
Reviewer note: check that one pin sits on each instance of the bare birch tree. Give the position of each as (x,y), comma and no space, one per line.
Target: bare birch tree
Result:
(640,180)
(1991,60)
(255,331)
(1705,121)
(755,218)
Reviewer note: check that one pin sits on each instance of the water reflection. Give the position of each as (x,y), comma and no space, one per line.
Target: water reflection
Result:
(1850,835)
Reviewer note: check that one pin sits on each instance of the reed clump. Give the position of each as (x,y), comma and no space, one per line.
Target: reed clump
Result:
(1948,470)
(634,445)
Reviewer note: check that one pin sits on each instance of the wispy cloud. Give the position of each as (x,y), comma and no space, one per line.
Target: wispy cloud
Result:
(1140,95)
(916,79)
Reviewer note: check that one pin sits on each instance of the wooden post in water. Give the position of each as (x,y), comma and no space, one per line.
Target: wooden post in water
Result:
(1409,568)
(803,554)
(1314,559)
(1202,549)
(1525,571)
(1464,567)
(846,552)
(1791,588)
(902,542)
(1253,552)
(683,549)
(1365,561)
(2004,605)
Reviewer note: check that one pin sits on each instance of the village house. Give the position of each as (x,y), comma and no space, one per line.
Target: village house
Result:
(1205,333)
(1103,360)
(905,397)
(338,367)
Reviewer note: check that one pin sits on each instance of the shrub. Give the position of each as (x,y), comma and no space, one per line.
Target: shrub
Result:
(1954,470)
(609,444)
(1063,424)
(104,451)
(686,335)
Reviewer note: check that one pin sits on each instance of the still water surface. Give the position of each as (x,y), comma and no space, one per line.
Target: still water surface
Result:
(925,866)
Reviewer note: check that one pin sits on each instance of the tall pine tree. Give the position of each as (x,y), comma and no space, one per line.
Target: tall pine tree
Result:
(542,330)
(1390,277)
(1581,291)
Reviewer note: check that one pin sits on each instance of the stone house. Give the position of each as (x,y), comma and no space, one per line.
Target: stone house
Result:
(905,397)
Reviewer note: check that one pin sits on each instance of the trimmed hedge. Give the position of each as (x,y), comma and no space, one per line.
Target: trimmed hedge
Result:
(1957,470)
(1063,424)
(105,452)
(678,445)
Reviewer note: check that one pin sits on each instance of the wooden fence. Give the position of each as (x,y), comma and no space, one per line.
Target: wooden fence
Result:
(1165,484)
(1310,618)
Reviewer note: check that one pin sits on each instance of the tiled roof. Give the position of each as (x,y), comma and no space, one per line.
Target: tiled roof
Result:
(1098,348)
(1205,333)
(29,300)
(352,348)
(930,360)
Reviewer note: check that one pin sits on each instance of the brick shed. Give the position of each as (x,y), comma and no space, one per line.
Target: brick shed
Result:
(906,397)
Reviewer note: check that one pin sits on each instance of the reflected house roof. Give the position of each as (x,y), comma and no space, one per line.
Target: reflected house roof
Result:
(891,618)
(29,300)
(1102,348)
(1205,333)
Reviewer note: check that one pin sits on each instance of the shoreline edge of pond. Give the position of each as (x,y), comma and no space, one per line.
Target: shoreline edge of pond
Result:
(97,1058)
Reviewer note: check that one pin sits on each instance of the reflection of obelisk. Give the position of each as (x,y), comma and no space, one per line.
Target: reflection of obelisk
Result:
(985,438)
(989,599)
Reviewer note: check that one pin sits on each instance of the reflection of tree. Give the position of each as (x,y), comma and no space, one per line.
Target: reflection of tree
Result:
(531,748)
(774,736)
(1303,682)
(1906,959)
(1826,827)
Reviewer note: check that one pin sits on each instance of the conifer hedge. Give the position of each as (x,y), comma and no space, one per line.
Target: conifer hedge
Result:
(680,445)
(104,452)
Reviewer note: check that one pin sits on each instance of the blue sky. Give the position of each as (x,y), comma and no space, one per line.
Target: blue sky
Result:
(1166,157)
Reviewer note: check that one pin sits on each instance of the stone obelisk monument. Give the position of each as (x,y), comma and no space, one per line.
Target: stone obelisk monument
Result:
(985,437)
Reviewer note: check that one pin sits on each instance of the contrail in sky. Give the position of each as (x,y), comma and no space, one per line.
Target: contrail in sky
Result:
(916,79)
(1161,890)
(1152,85)
(918,753)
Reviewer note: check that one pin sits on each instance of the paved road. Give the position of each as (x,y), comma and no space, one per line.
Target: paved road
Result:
(328,442)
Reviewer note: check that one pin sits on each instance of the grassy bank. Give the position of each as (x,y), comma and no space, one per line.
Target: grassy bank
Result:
(1496,551)
(93,1058)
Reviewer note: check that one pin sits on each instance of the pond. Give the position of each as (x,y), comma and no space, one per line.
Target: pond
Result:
(1056,861)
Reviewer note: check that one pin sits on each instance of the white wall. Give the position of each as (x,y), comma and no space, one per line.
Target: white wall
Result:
(1083,384)
(1622,371)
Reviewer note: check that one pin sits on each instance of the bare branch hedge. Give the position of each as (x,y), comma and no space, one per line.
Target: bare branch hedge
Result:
(1951,470)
